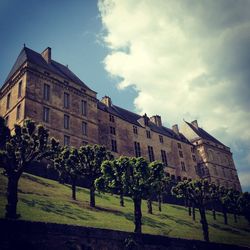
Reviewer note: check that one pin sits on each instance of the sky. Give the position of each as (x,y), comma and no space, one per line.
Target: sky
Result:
(178,59)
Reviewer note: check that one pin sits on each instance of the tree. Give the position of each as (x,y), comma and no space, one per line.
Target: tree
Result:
(225,202)
(244,205)
(158,183)
(233,196)
(215,195)
(198,192)
(111,179)
(27,144)
(136,182)
(90,159)
(67,164)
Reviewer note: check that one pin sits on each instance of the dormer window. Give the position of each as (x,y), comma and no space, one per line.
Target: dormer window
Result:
(148,134)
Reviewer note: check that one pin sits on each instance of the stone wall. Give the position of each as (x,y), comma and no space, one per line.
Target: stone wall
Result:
(28,235)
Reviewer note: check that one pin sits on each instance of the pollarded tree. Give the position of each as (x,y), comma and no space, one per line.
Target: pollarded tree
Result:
(215,196)
(244,204)
(67,165)
(18,150)
(111,179)
(225,202)
(90,160)
(198,192)
(135,181)
(158,183)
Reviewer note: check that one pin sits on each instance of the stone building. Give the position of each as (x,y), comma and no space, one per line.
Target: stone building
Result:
(48,92)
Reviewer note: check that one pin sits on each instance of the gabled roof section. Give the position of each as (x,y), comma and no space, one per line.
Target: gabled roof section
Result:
(133,119)
(36,58)
(204,134)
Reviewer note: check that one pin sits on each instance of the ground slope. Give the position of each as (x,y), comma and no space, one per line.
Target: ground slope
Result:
(46,200)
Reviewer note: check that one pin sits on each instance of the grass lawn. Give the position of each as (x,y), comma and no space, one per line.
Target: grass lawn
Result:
(46,200)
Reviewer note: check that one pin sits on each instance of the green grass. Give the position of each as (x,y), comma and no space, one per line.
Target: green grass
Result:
(46,200)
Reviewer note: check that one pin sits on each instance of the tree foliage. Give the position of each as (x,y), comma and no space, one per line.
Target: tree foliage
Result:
(18,150)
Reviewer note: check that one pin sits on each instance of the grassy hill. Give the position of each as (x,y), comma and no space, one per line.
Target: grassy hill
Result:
(48,201)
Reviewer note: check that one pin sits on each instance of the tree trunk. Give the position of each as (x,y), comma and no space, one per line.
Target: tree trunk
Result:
(121,200)
(204,224)
(12,198)
(92,196)
(73,187)
(224,210)
(193,212)
(235,218)
(159,202)
(189,209)
(137,215)
(149,205)
(214,214)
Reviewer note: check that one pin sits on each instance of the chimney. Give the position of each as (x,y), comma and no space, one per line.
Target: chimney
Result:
(156,119)
(46,54)
(195,124)
(107,101)
(146,119)
(175,129)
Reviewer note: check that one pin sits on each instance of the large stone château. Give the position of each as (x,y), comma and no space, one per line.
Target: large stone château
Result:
(48,92)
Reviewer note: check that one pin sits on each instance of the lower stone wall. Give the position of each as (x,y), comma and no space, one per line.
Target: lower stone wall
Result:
(18,235)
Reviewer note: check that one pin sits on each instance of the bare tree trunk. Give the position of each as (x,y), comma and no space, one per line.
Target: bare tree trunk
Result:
(159,202)
(235,218)
(137,215)
(224,210)
(189,209)
(149,205)
(12,198)
(92,196)
(204,224)
(193,212)
(73,187)
(121,199)
(214,214)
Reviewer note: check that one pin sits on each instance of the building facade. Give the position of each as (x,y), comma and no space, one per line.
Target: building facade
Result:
(49,93)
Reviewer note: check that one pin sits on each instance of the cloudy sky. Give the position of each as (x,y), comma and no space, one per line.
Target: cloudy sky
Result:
(179,59)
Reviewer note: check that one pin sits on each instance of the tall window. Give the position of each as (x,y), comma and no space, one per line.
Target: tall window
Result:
(46,92)
(192,150)
(112,130)
(151,153)
(8,101)
(18,109)
(164,157)
(84,128)
(66,121)
(20,89)
(161,138)
(179,145)
(83,107)
(111,118)
(183,167)
(137,149)
(135,130)
(66,101)
(215,170)
(113,145)
(148,134)
(45,114)
(66,140)
(181,154)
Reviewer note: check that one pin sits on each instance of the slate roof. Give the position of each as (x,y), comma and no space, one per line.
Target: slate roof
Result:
(34,57)
(133,118)
(204,134)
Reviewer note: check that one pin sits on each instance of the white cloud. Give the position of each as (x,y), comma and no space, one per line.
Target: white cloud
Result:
(186,59)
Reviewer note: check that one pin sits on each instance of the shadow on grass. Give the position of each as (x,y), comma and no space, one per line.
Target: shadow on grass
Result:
(226,229)
(34,179)
(178,207)
(62,210)
(22,192)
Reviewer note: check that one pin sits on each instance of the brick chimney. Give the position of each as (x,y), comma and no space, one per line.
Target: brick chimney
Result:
(175,129)
(156,119)
(195,124)
(107,101)
(46,54)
